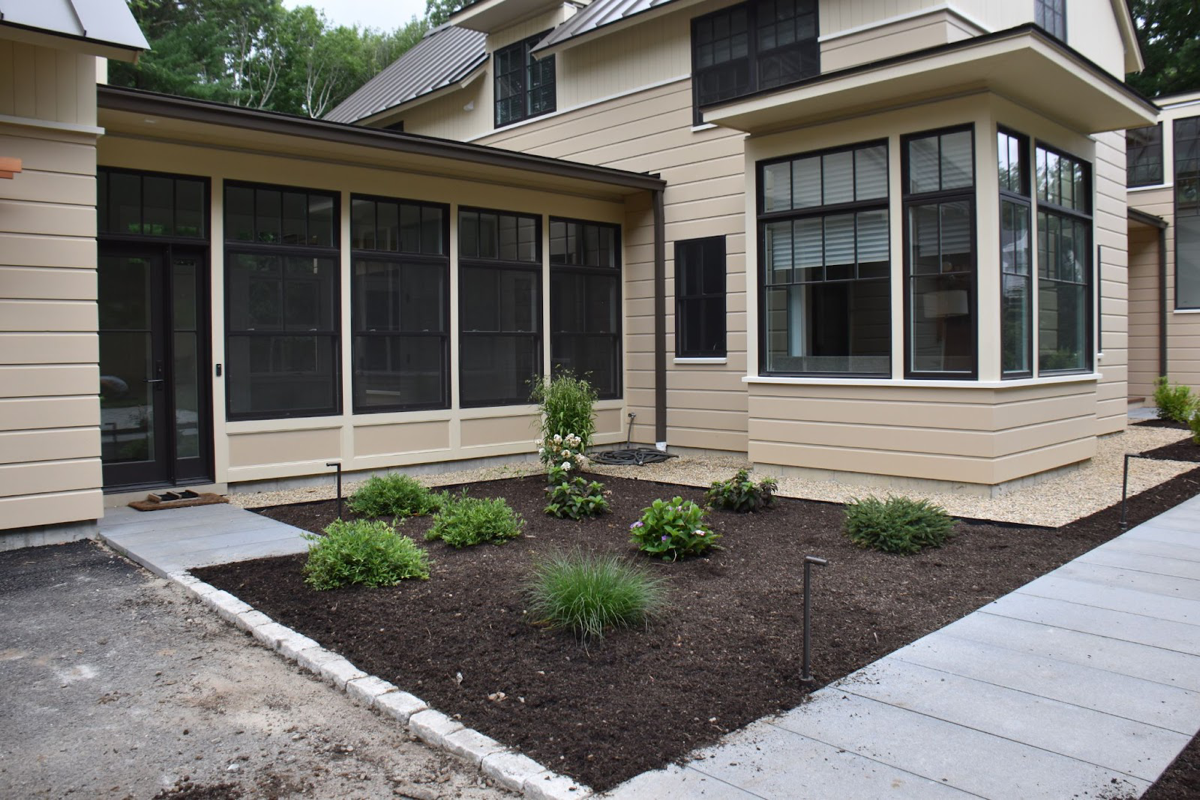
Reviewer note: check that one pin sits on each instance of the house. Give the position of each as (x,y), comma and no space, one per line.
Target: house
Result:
(1164,248)
(827,251)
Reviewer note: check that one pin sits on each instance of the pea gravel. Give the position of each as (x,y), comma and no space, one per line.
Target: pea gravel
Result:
(1051,503)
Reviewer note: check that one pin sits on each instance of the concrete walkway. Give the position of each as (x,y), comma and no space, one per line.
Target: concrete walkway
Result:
(181,538)
(1082,683)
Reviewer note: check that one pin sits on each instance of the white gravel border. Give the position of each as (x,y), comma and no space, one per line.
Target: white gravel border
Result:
(1051,503)
(508,768)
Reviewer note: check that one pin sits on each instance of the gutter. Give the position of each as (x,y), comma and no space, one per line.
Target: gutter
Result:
(660,322)
(202,111)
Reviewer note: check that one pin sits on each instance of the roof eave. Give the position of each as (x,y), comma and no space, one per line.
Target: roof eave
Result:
(472,75)
(53,39)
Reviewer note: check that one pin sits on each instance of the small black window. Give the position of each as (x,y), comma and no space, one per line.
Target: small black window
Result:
(1187,213)
(1144,156)
(500,306)
(585,303)
(1016,258)
(1052,15)
(151,204)
(700,298)
(282,302)
(524,84)
(940,262)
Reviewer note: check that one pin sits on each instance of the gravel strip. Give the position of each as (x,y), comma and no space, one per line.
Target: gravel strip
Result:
(1051,503)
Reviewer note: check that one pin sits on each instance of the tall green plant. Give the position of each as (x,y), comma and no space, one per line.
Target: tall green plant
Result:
(567,405)
(1176,403)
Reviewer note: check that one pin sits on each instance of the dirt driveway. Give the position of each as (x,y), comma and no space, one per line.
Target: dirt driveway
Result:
(116,685)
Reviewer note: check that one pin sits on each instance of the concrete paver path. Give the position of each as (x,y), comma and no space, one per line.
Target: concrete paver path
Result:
(1082,683)
(171,540)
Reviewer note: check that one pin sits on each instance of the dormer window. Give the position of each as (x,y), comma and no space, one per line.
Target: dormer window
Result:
(524,84)
(758,45)
(1052,16)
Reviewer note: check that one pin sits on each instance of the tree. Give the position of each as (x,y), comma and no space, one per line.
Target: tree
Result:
(438,11)
(1169,33)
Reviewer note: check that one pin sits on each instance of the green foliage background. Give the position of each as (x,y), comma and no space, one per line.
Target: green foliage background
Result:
(1169,32)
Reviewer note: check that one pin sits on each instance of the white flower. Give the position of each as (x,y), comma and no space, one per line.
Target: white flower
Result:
(541,451)
(566,465)
(566,453)
(557,438)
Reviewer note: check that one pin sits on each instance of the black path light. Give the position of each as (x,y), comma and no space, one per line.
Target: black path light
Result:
(1125,486)
(338,464)
(806,674)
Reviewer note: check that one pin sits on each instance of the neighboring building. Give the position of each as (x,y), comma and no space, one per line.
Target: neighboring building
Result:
(1164,248)
(897,228)
(866,245)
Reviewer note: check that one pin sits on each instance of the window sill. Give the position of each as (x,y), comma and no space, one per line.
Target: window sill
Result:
(704,126)
(1153,187)
(1186,311)
(688,361)
(1083,377)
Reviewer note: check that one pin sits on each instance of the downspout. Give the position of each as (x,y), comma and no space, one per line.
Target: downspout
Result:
(660,322)
(1162,306)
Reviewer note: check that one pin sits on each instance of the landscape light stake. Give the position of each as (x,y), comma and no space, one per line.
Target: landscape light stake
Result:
(1125,487)
(338,464)
(806,673)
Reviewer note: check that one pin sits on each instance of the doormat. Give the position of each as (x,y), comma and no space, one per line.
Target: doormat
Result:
(185,499)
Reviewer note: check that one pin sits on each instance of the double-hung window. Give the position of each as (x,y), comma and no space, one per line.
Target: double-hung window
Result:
(401,288)
(1064,231)
(1016,258)
(1052,16)
(940,262)
(700,298)
(762,44)
(585,303)
(500,306)
(823,238)
(1187,213)
(1144,156)
(282,302)
(524,84)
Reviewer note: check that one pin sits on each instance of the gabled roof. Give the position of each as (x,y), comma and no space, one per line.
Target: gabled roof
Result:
(602,13)
(107,25)
(446,56)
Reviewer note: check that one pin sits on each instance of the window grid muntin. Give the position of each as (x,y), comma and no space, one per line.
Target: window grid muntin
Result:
(1144,156)
(711,253)
(1013,149)
(378,205)
(261,193)
(1051,15)
(1186,134)
(524,86)
(105,209)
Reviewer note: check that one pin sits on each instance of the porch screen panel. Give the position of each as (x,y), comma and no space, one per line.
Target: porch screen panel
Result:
(823,233)
(585,303)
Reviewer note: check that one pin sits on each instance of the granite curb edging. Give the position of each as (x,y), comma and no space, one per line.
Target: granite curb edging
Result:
(507,767)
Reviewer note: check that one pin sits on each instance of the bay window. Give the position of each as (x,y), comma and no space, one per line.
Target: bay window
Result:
(1016,258)
(1064,231)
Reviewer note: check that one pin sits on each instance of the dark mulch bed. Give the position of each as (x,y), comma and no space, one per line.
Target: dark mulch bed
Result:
(727,653)
(1161,423)
(1187,450)
(1181,781)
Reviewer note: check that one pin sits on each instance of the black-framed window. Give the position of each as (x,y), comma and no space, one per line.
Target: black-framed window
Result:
(1064,231)
(134,203)
(1016,257)
(282,314)
(401,304)
(1052,16)
(500,306)
(700,298)
(762,44)
(1187,212)
(825,304)
(585,302)
(525,86)
(1144,156)
(940,256)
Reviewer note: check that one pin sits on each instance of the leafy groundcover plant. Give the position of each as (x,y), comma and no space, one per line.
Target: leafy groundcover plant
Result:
(1176,403)
(898,525)
(673,529)
(574,497)
(567,407)
(467,521)
(395,495)
(362,553)
(742,494)
(589,593)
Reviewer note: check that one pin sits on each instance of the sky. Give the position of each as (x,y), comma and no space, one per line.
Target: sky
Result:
(383,14)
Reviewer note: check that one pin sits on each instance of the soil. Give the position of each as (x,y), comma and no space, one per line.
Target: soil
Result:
(1181,781)
(727,652)
(1161,423)
(1186,450)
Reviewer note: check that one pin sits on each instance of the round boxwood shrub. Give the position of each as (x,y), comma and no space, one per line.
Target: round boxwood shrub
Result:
(365,553)
(897,525)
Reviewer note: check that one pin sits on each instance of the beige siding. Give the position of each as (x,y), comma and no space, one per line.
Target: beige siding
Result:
(1111,216)
(1145,298)
(938,27)
(49,410)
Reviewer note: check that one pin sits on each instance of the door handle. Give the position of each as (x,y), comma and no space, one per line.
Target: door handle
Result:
(155,380)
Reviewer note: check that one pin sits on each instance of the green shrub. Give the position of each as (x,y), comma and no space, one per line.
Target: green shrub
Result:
(741,494)
(1194,424)
(673,530)
(588,594)
(567,407)
(467,521)
(362,552)
(1175,403)
(897,525)
(574,498)
(395,495)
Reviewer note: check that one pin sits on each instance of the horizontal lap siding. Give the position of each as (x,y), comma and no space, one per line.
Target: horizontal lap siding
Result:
(49,411)
(1112,406)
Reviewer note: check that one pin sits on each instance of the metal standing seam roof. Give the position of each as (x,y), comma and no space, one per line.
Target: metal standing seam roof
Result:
(108,22)
(598,14)
(444,57)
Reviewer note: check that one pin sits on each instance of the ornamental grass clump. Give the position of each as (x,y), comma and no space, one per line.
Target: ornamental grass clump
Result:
(1176,403)
(395,495)
(468,521)
(742,494)
(898,525)
(673,530)
(589,594)
(567,407)
(363,553)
